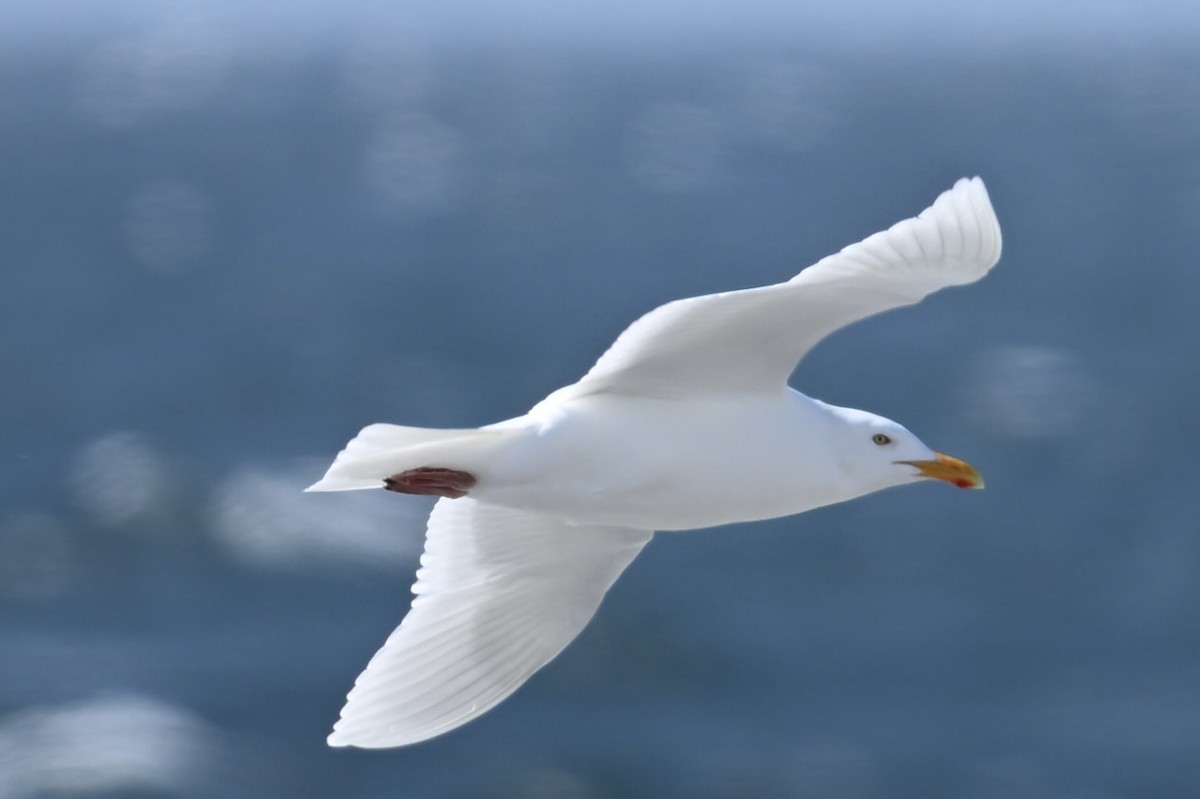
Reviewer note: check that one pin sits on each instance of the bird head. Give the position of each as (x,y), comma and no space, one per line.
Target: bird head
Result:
(883,453)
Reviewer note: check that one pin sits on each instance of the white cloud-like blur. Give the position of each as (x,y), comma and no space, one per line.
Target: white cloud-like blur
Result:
(263,519)
(674,147)
(167,225)
(1031,392)
(121,480)
(105,746)
(412,163)
(177,64)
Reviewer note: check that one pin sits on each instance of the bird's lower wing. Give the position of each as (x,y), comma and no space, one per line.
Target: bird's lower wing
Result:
(498,595)
(751,340)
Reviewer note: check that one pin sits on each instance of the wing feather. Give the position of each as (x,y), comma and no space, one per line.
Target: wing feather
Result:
(499,593)
(751,340)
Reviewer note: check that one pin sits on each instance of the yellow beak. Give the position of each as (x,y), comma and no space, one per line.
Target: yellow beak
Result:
(952,470)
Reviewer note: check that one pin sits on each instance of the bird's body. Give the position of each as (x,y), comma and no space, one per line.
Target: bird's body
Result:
(686,422)
(638,462)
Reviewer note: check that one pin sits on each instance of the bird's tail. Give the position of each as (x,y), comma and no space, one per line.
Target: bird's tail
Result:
(382,450)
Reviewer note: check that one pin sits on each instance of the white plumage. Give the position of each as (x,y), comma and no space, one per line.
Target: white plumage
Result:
(686,421)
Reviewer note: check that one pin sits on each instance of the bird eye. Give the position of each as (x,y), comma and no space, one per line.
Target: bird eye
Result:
(881,439)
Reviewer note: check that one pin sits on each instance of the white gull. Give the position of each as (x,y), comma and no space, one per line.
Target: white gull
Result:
(687,421)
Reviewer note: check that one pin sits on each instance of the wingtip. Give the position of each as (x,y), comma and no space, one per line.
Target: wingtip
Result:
(970,196)
(339,739)
(974,187)
(986,213)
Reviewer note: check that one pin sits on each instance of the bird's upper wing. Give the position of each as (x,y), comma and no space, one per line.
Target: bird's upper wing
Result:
(751,340)
(499,593)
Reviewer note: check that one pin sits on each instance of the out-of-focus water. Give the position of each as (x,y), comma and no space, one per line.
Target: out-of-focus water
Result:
(222,256)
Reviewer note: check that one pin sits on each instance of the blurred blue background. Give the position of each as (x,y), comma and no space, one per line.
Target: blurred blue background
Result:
(232,236)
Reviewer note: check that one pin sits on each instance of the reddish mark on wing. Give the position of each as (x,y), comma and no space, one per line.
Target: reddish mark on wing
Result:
(962,483)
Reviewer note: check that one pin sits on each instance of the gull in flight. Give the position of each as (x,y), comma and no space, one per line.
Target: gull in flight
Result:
(687,421)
